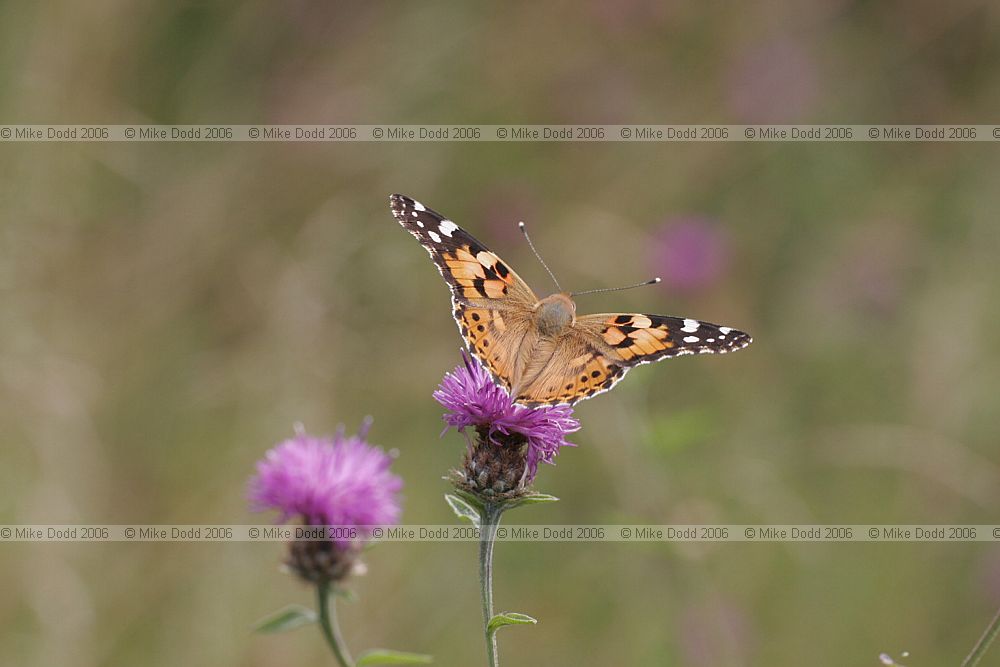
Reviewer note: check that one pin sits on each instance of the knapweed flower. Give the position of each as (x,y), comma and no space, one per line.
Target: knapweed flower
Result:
(513,438)
(690,253)
(341,482)
(777,81)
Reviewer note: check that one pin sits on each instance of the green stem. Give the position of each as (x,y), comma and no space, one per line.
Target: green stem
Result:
(979,650)
(489,519)
(328,621)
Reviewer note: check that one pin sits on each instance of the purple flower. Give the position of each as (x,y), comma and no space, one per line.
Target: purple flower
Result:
(473,399)
(341,481)
(690,253)
(774,82)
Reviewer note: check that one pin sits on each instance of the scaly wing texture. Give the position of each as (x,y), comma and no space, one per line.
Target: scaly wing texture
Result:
(491,304)
(600,349)
(566,370)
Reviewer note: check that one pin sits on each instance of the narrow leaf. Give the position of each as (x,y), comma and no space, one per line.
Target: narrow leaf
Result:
(531,499)
(346,594)
(539,498)
(472,499)
(288,618)
(381,656)
(462,509)
(509,618)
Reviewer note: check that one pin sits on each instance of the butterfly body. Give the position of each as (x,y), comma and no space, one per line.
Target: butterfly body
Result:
(554,314)
(539,349)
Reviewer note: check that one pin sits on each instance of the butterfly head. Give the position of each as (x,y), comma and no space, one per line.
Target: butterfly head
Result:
(554,313)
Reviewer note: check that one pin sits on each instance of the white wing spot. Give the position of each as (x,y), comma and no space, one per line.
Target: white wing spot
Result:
(487,259)
(641,322)
(447,227)
(691,339)
(710,340)
(690,326)
(420,207)
(420,224)
(724,330)
(434,235)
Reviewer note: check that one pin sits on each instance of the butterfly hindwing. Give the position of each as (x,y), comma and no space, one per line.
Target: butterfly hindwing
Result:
(496,338)
(575,367)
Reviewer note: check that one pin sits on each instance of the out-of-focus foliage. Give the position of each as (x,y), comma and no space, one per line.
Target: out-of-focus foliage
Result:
(168,311)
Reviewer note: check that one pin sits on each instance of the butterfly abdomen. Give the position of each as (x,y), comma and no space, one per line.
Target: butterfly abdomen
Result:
(554,313)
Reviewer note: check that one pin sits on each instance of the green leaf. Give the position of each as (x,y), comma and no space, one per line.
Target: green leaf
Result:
(287,618)
(470,498)
(530,499)
(462,509)
(381,656)
(346,594)
(509,618)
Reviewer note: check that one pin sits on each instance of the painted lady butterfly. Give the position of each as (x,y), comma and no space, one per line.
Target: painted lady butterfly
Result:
(539,349)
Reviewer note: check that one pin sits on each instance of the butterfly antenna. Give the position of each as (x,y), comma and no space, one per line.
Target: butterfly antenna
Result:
(542,261)
(617,289)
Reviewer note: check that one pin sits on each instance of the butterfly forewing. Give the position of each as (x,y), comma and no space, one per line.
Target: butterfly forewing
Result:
(640,338)
(598,350)
(475,274)
(491,304)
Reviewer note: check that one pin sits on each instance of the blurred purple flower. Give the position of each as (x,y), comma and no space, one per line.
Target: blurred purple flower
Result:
(690,253)
(472,399)
(774,82)
(340,481)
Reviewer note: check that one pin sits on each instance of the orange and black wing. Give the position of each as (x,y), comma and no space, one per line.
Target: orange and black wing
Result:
(641,339)
(476,275)
(490,303)
(600,349)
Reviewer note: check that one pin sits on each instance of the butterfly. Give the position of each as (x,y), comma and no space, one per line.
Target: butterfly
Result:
(540,350)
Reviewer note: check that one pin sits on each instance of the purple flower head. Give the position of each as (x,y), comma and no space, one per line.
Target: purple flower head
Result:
(472,399)
(341,481)
(777,81)
(690,253)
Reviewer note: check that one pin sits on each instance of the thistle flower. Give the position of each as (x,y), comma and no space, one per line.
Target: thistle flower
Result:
(776,81)
(340,481)
(690,253)
(513,438)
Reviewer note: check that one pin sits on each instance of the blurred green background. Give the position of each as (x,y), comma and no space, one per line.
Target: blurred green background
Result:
(170,310)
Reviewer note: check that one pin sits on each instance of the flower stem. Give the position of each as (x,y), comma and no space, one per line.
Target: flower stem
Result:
(489,520)
(979,650)
(328,621)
